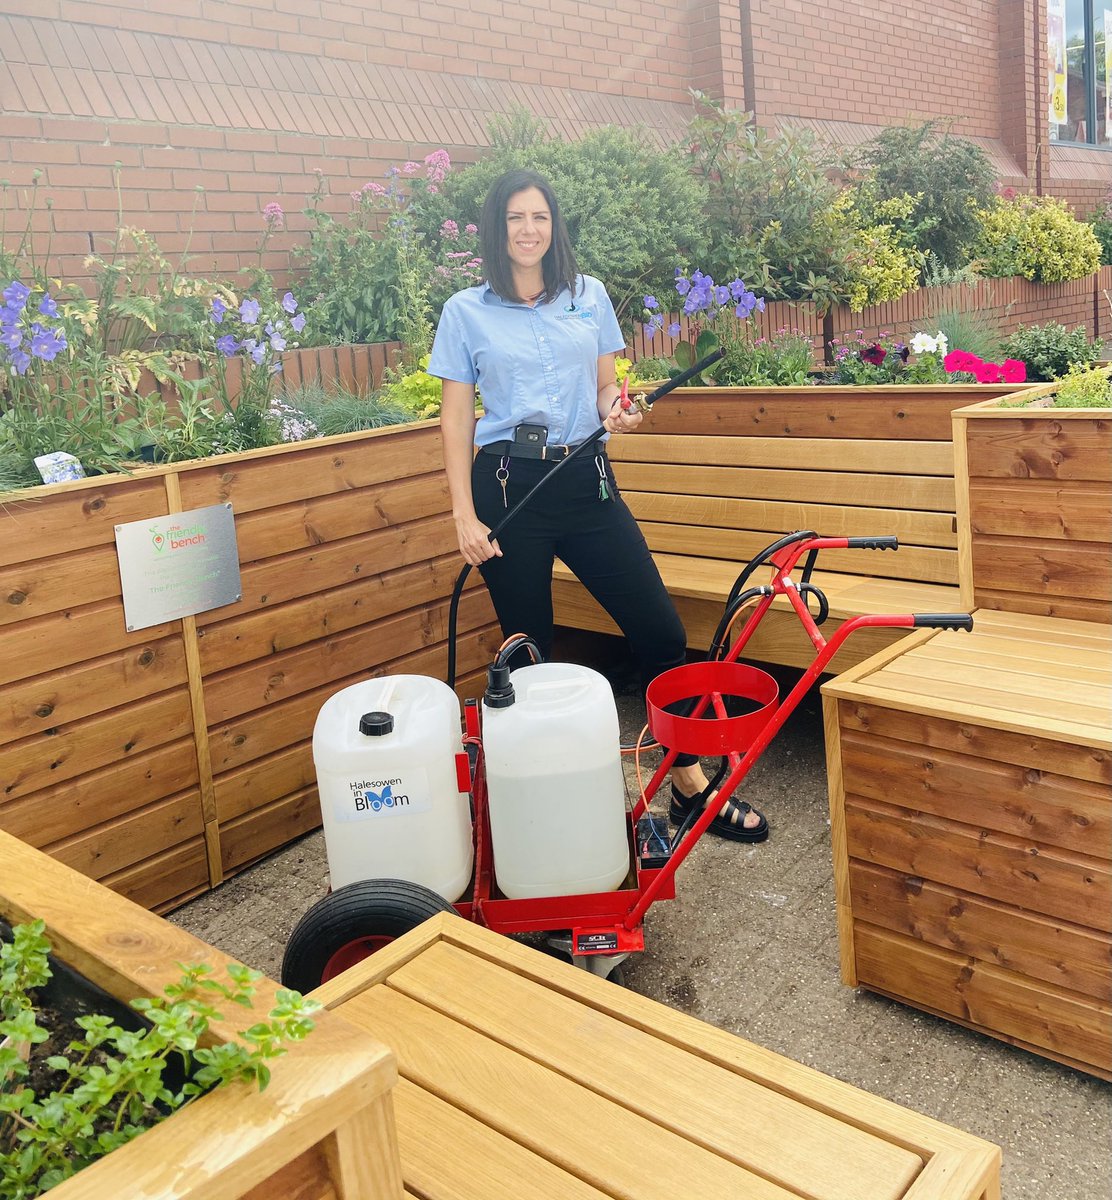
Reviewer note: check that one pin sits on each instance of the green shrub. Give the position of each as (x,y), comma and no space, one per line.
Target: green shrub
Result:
(649,370)
(1050,350)
(949,177)
(313,411)
(1083,387)
(783,359)
(969,329)
(634,212)
(1037,237)
(881,264)
(1102,231)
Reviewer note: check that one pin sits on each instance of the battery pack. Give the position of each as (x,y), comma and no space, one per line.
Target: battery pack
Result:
(654,847)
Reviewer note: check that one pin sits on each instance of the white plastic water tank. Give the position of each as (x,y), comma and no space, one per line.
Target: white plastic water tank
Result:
(554,778)
(385,754)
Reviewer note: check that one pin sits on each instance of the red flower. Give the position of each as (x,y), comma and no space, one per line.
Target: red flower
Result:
(875,354)
(961,360)
(1014,371)
(988,372)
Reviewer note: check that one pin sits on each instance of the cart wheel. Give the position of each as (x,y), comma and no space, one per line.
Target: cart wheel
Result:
(349,925)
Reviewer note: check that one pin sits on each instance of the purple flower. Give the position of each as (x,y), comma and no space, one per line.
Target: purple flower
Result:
(277,342)
(47,344)
(15,294)
(47,307)
(737,289)
(21,360)
(674,329)
(722,294)
(289,303)
(219,308)
(654,324)
(249,312)
(11,337)
(258,353)
(298,322)
(683,286)
(650,302)
(227,345)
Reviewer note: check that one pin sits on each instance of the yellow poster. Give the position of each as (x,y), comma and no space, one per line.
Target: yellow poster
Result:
(1056,59)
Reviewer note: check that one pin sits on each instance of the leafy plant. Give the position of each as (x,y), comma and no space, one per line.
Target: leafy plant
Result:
(863,362)
(1050,350)
(1083,387)
(651,369)
(1102,231)
(111,1085)
(334,412)
(783,359)
(948,179)
(882,263)
(968,329)
(1037,237)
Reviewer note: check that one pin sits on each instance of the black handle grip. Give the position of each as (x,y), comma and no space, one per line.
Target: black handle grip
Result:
(887,542)
(943,621)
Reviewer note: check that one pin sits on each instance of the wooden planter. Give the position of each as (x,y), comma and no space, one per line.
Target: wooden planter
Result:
(323,1128)
(162,760)
(1034,492)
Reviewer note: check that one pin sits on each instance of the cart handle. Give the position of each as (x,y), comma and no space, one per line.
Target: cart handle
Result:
(943,621)
(887,542)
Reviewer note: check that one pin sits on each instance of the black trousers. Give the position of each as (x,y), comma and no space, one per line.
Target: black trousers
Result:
(598,540)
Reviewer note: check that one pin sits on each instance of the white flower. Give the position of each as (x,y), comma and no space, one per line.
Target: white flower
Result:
(923,343)
(942,343)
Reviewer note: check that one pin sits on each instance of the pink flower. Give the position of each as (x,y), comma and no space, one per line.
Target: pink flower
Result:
(437,165)
(410,167)
(1014,371)
(961,360)
(987,372)
(376,189)
(273,214)
(449,230)
(469,228)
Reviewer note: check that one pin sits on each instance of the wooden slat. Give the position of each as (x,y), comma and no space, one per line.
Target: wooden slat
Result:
(318,468)
(67,517)
(1068,956)
(922,563)
(986,996)
(59,697)
(272,630)
(257,833)
(76,749)
(247,738)
(832,519)
(521,1099)
(1041,508)
(260,783)
(165,880)
(54,813)
(1054,882)
(801,1150)
(259,684)
(345,367)
(50,584)
(60,639)
(883,489)
(1098,612)
(362,370)
(482,1163)
(1043,447)
(110,847)
(864,455)
(1024,750)
(1043,567)
(1036,806)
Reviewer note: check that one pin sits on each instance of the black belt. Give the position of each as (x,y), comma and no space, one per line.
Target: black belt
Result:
(524,450)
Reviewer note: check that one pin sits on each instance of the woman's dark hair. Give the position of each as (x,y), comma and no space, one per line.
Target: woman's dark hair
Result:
(558,265)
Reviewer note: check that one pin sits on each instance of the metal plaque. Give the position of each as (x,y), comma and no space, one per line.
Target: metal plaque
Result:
(175,566)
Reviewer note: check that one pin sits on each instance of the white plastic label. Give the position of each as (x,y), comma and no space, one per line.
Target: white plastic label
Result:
(374,798)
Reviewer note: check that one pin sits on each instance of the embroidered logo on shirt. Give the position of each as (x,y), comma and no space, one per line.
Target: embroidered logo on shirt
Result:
(574,314)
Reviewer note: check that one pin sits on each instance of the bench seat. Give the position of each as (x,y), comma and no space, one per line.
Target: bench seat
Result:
(699,587)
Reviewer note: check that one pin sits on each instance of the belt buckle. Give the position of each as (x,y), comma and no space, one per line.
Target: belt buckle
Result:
(566,449)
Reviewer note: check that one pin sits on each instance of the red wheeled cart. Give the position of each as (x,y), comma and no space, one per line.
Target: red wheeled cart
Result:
(598,930)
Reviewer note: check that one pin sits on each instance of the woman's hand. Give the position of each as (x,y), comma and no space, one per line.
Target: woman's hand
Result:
(619,420)
(474,541)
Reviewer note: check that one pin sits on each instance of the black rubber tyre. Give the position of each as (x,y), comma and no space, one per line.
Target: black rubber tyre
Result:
(351,924)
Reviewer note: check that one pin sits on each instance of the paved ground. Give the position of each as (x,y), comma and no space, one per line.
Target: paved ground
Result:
(749,944)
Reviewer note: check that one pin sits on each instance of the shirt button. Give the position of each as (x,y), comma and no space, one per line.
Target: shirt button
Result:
(540,339)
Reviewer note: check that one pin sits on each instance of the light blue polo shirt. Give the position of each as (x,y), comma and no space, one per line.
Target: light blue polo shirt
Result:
(533,366)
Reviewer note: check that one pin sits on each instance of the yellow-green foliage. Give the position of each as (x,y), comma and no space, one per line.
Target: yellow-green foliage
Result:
(1037,237)
(882,265)
(1083,388)
(418,392)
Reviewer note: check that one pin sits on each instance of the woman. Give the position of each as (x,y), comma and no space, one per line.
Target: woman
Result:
(539,340)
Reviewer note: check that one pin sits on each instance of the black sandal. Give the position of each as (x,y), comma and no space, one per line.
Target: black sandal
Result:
(730,826)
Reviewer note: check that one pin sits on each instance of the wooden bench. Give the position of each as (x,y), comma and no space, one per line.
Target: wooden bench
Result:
(717,474)
(972,829)
(524,1078)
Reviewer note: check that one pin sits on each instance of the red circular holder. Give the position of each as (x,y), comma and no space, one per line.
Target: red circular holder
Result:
(709,734)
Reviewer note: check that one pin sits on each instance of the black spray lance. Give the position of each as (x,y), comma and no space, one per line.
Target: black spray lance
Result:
(644,403)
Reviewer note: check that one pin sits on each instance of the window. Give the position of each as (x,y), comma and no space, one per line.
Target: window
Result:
(1078,70)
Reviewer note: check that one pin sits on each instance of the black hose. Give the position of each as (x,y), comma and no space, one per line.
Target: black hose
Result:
(461,579)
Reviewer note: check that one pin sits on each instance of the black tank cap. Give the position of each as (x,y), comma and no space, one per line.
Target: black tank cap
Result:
(375,724)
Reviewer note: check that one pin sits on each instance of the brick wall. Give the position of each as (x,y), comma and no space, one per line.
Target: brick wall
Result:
(247,99)
(879,63)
